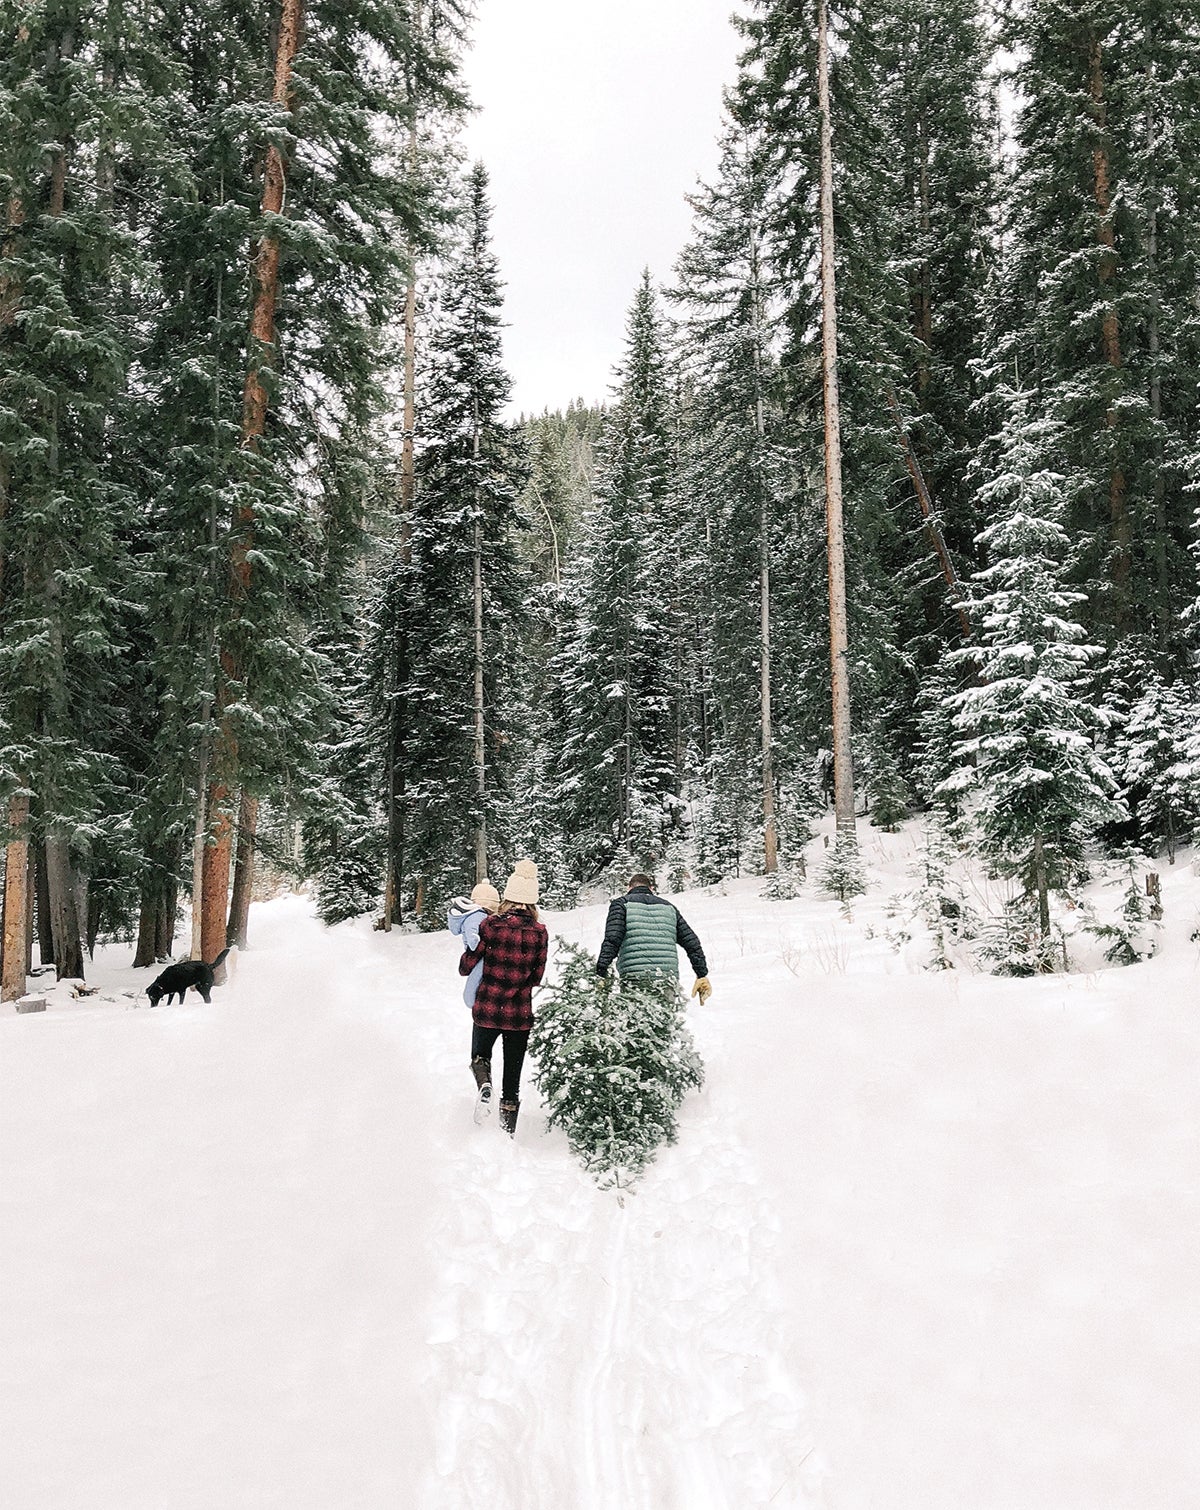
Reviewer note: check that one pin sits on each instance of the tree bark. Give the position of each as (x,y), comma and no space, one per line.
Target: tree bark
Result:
(199,830)
(164,933)
(218,856)
(243,875)
(1041,886)
(770,837)
(64,918)
(14,957)
(1118,505)
(839,644)
(217,861)
(45,932)
(145,953)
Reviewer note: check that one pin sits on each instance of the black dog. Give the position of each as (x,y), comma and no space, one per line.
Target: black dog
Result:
(176,979)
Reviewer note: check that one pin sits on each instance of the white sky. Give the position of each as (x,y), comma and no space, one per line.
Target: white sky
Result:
(595,119)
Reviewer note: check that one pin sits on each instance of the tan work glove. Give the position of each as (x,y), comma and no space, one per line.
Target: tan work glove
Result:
(702,988)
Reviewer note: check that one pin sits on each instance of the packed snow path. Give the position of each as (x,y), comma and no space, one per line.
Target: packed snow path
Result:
(924,1241)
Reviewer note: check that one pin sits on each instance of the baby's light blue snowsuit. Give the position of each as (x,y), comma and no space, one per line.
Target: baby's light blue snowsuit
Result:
(466,926)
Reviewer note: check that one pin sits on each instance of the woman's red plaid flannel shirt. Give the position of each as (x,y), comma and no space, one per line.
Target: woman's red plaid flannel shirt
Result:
(513,948)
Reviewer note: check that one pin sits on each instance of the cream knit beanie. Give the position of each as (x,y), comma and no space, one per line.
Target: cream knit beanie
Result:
(486,895)
(523,883)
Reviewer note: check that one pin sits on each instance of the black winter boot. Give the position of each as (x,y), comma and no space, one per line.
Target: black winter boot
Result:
(482,1070)
(508,1116)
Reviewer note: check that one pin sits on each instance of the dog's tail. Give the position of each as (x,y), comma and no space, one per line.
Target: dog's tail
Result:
(220,957)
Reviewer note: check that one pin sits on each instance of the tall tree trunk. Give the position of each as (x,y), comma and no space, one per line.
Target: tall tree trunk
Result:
(64,919)
(164,934)
(146,951)
(255,401)
(216,866)
(243,875)
(1041,886)
(480,747)
(393,901)
(1118,503)
(770,836)
(45,931)
(839,643)
(1154,352)
(14,957)
(199,830)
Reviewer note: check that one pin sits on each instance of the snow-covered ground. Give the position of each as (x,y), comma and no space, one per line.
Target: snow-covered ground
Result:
(926,1241)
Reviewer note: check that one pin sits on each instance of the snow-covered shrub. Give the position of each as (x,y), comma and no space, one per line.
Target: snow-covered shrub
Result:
(1132,933)
(841,875)
(938,904)
(1011,940)
(614,1061)
(782,886)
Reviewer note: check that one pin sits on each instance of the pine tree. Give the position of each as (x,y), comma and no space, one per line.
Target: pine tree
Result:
(452,591)
(614,1062)
(1026,752)
(1095,311)
(617,773)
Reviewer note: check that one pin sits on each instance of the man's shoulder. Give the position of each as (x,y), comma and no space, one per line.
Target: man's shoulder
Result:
(650,897)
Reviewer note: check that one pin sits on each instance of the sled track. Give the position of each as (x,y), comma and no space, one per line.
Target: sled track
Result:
(605,1351)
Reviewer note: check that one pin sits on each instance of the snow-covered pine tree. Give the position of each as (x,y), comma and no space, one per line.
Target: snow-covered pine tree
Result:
(1151,753)
(72,124)
(1027,749)
(614,1062)
(727,293)
(453,589)
(1095,310)
(617,773)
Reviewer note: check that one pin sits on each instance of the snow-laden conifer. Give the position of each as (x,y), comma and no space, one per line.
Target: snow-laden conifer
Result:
(1026,752)
(614,1062)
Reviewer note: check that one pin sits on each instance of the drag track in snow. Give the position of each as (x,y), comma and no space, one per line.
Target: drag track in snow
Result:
(599,1349)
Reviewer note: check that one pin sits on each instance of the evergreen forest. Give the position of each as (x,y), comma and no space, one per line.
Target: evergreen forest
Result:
(289,595)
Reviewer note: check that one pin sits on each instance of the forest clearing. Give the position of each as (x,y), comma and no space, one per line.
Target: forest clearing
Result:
(926,1240)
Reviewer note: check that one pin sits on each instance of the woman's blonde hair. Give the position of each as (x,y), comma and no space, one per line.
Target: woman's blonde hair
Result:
(527,907)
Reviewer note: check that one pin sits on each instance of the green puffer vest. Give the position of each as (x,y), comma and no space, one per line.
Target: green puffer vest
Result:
(649,942)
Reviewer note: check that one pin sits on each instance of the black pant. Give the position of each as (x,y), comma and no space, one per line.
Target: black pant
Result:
(483,1041)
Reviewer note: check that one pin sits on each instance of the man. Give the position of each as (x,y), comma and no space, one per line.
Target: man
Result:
(644,933)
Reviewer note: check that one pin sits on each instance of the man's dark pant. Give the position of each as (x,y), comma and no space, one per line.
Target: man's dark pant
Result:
(483,1041)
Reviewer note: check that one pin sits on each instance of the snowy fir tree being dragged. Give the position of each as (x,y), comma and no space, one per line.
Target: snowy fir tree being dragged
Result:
(614,1058)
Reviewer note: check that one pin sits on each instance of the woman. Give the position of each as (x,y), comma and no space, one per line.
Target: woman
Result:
(513,946)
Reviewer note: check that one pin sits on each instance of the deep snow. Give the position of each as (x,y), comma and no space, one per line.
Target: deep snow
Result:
(926,1241)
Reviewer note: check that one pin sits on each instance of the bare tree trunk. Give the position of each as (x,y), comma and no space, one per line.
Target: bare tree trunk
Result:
(217,860)
(839,644)
(243,875)
(1118,504)
(770,836)
(477,573)
(164,936)
(64,919)
(480,748)
(255,400)
(45,932)
(1154,352)
(199,829)
(1041,886)
(145,953)
(14,958)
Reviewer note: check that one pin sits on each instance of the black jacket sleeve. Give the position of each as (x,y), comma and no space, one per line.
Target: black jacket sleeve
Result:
(614,935)
(685,936)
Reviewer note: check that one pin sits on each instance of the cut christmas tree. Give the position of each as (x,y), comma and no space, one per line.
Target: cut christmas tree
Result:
(614,1062)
